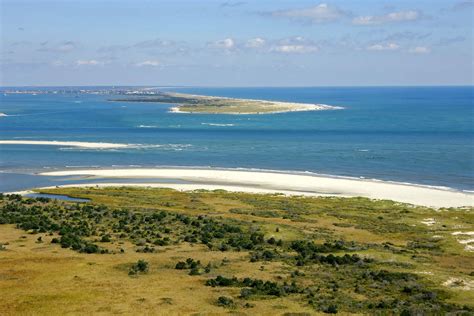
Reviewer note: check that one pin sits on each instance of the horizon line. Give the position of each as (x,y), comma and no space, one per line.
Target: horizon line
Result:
(237,86)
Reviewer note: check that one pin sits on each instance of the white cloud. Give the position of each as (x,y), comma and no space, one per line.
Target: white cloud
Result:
(257,42)
(227,43)
(317,14)
(295,45)
(151,63)
(401,16)
(90,62)
(290,45)
(298,49)
(154,43)
(230,4)
(381,47)
(419,50)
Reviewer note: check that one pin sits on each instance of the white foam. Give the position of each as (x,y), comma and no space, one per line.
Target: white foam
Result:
(160,146)
(68,145)
(217,124)
(147,126)
(63,143)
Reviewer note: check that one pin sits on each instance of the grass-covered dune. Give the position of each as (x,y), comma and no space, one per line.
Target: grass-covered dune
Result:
(190,103)
(161,251)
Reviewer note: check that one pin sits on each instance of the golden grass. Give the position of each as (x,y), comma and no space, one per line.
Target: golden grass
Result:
(42,278)
(46,279)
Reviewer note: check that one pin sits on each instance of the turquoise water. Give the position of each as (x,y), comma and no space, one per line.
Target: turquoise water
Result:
(419,135)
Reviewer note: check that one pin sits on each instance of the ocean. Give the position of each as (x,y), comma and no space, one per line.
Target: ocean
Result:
(421,135)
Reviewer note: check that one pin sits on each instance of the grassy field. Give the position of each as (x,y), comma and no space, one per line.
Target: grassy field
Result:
(219,105)
(160,251)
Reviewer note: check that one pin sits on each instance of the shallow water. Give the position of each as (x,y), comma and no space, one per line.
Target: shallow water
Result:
(418,135)
(57,197)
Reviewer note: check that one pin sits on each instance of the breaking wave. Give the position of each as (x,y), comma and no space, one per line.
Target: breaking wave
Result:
(217,124)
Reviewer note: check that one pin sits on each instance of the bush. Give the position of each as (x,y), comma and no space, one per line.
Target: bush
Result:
(194,271)
(90,248)
(332,309)
(225,301)
(140,267)
(180,265)
(105,238)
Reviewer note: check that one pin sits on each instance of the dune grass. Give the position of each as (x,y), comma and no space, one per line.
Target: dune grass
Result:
(295,243)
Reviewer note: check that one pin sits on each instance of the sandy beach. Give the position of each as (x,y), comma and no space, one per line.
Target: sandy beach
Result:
(286,183)
(291,107)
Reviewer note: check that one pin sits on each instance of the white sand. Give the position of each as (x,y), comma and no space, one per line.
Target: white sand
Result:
(463,233)
(273,182)
(292,107)
(264,104)
(60,143)
(428,221)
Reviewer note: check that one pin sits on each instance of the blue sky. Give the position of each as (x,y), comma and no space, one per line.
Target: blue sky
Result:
(236,43)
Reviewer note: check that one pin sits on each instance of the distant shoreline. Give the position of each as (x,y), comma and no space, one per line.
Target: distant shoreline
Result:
(202,104)
(279,182)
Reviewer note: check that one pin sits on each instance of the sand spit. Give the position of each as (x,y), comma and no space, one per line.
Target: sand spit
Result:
(287,183)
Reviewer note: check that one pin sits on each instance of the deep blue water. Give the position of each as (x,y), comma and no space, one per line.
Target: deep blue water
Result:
(411,134)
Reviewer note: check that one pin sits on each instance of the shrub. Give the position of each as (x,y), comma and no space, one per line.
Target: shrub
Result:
(194,271)
(140,267)
(225,301)
(331,309)
(180,265)
(105,238)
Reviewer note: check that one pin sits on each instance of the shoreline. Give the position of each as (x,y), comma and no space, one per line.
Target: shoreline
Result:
(311,107)
(204,104)
(307,184)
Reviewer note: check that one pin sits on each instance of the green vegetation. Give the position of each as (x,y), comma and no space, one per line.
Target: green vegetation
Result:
(245,251)
(140,267)
(225,301)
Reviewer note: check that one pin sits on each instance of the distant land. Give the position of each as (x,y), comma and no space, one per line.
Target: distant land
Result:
(185,103)
(191,103)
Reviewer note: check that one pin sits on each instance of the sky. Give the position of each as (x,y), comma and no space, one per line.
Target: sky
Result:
(236,42)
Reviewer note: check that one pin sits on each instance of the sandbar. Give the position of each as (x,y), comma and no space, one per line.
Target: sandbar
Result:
(286,183)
